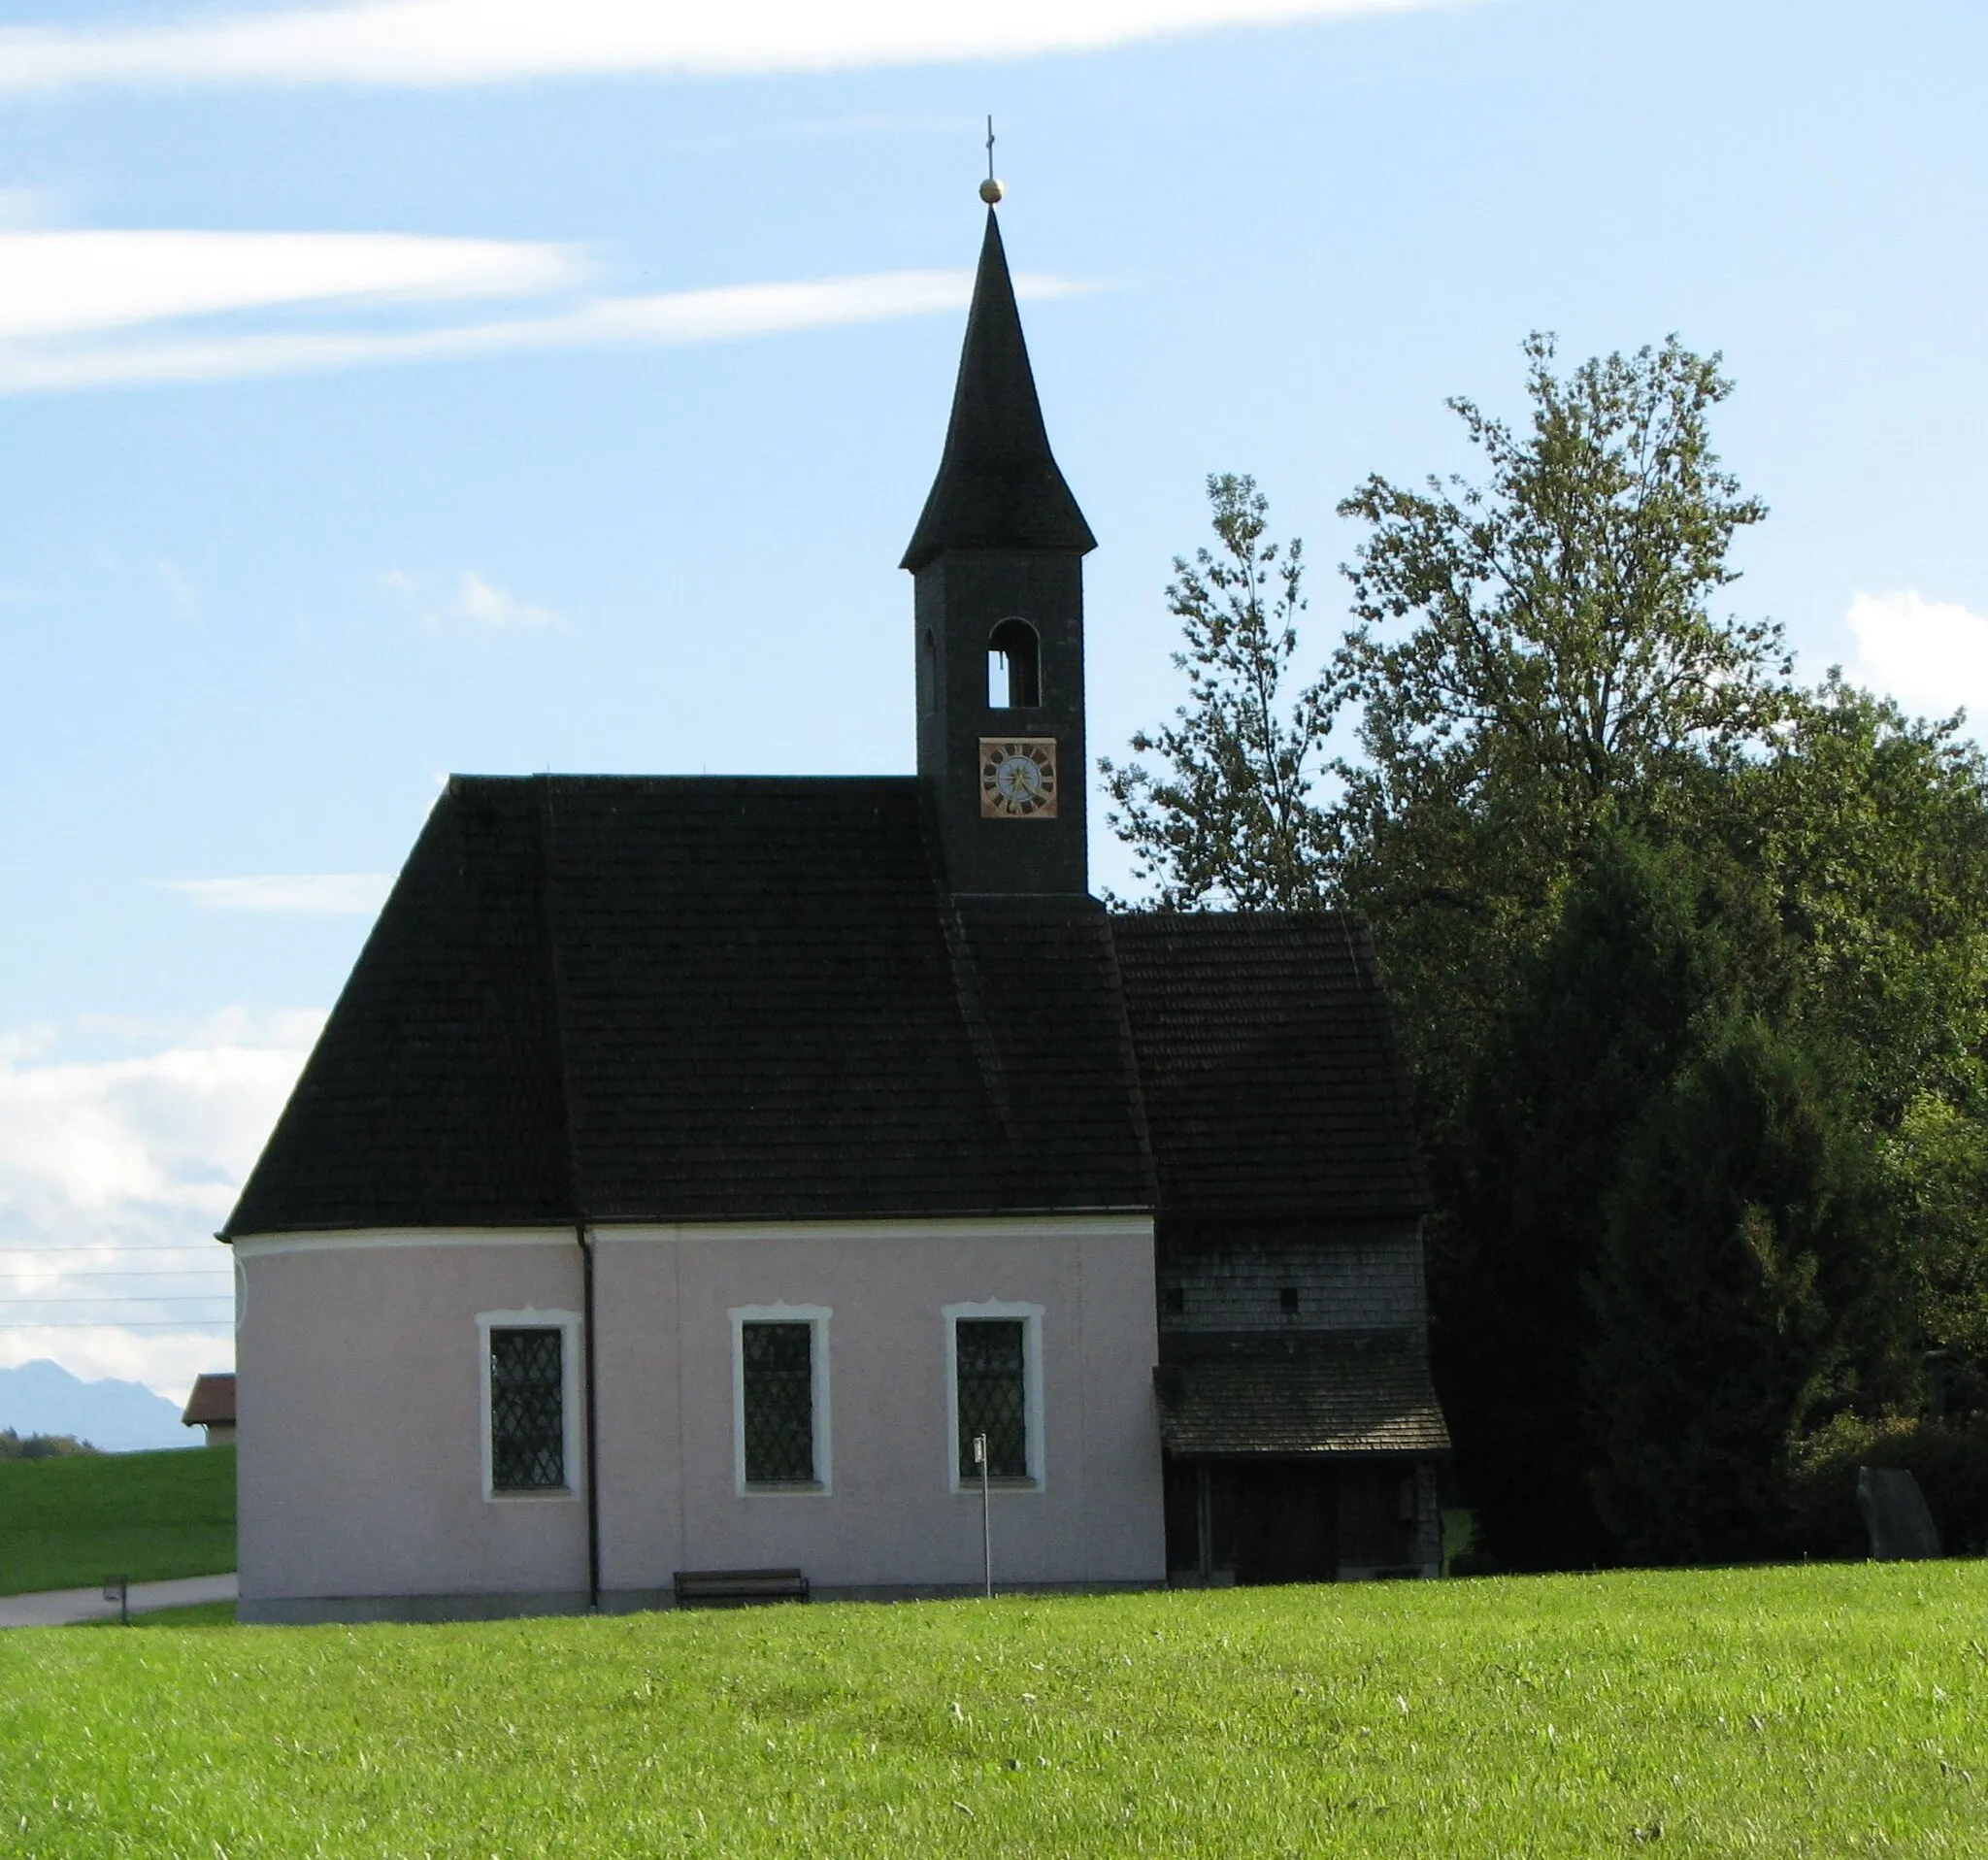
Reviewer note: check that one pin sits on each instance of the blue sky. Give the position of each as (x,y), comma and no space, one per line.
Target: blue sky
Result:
(466,385)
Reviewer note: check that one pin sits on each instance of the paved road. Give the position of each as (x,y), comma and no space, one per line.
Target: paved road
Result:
(57,1607)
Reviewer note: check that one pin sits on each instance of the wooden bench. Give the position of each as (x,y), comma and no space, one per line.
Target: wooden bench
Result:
(735,1589)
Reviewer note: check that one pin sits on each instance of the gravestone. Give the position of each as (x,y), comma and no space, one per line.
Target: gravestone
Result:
(1895,1513)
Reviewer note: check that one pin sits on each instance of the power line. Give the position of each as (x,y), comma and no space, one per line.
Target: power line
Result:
(108,1247)
(138,1272)
(129,1298)
(146,1323)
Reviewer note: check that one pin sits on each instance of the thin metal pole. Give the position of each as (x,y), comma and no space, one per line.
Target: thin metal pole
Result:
(986,1515)
(593,1451)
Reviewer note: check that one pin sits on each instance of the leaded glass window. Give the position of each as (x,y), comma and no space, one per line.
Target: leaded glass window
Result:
(527,1411)
(992,1395)
(780,1402)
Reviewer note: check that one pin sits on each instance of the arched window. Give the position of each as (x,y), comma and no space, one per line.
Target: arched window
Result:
(928,674)
(1015,659)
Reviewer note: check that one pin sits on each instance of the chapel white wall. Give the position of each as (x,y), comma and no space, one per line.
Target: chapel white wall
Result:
(359,1405)
(359,1401)
(892,1519)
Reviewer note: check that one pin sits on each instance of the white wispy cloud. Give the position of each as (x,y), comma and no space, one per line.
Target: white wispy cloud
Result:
(475,602)
(114,1175)
(310,894)
(1931,655)
(165,1360)
(485,604)
(63,284)
(179,591)
(665,320)
(469,42)
(23,207)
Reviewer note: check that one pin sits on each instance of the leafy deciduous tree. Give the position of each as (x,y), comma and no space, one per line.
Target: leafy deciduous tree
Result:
(1872,830)
(1692,966)
(1228,818)
(1561,656)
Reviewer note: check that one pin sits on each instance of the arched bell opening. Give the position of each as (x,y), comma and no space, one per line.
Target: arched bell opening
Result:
(1015,667)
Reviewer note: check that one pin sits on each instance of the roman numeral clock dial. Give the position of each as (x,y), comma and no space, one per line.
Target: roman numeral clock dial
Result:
(1018,777)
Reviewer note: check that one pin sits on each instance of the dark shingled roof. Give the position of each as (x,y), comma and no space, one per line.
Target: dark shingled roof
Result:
(706,999)
(680,999)
(998,485)
(433,1098)
(1323,1392)
(1272,1081)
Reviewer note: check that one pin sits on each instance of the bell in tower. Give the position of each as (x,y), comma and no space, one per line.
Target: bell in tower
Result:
(998,561)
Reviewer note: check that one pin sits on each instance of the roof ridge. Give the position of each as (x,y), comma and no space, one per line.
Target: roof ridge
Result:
(1129,1052)
(555,992)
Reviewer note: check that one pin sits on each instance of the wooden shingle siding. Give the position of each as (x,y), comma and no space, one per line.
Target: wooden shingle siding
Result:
(1354,1392)
(1359,1276)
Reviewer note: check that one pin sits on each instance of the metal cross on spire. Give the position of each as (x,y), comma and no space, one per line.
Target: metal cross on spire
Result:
(991,189)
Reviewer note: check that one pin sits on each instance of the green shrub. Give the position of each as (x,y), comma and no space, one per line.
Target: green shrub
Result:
(1948,1458)
(41,1447)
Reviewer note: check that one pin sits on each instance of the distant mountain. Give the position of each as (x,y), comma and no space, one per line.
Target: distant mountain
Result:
(121,1418)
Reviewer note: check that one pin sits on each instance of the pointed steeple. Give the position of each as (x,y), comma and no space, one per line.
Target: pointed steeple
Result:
(996,564)
(998,486)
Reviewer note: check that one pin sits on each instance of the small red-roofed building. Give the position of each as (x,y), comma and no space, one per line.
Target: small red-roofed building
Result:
(211,1406)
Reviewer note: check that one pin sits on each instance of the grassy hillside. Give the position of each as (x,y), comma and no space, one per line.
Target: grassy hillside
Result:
(68,1522)
(1828,1711)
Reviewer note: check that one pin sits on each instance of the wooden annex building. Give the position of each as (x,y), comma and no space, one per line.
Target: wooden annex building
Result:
(693,1167)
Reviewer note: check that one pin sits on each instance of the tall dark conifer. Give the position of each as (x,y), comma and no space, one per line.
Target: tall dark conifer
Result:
(1603,1016)
(1742,1290)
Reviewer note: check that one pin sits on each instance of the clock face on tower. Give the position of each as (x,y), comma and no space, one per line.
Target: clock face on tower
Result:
(1018,777)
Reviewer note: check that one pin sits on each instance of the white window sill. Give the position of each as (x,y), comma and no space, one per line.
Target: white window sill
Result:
(531,1495)
(783,1488)
(970,1488)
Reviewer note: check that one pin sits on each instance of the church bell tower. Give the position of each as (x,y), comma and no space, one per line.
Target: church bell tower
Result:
(998,561)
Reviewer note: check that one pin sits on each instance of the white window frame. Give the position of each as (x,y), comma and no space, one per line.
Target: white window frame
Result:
(567,1324)
(1032,1394)
(816,1318)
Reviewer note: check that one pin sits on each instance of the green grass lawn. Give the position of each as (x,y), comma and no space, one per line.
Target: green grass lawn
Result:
(65,1523)
(1815,1712)
(194,1614)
